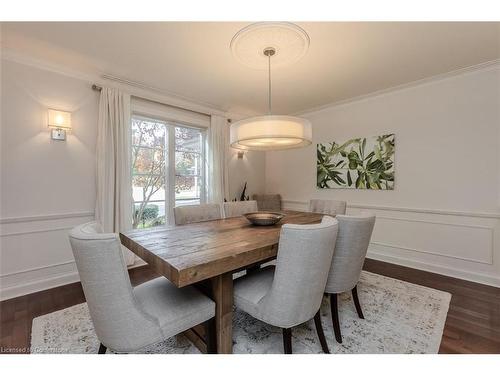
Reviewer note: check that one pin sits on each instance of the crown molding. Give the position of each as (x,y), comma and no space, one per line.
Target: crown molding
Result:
(159,95)
(486,66)
(135,88)
(20,58)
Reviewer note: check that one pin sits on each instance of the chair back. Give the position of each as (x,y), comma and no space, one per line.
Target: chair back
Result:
(328,207)
(350,251)
(197,213)
(304,257)
(106,284)
(234,209)
(268,202)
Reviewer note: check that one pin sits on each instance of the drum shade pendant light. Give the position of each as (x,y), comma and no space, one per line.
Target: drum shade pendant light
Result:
(271,132)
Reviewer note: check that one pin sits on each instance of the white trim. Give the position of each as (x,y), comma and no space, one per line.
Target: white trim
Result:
(26,219)
(38,285)
(137,89)
(37,268)
(383,244)
(13,56)
(490,229)
(435,222)
(485,272)
(478,214)
(22,233)
(49,282)
(175,100)
(476,277)
(493,64)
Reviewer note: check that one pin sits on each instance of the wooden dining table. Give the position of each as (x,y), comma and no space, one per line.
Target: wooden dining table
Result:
(206,255)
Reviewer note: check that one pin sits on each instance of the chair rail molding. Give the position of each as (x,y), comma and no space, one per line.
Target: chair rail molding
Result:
(25,219)
(462,244)
(493,215)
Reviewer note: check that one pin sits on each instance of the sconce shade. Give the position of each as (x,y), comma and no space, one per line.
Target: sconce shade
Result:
(59,119)
(271,132)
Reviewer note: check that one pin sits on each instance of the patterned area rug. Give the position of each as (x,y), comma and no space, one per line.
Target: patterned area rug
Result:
(400,317)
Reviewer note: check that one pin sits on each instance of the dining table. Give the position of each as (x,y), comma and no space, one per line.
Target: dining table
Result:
(206,255)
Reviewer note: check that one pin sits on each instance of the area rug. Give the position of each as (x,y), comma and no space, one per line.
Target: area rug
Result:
(400,317)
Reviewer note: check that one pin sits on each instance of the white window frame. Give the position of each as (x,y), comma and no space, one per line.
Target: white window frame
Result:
(170,125)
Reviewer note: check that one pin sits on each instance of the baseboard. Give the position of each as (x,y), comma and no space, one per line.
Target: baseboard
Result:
(47,283)
(38,285)
(434,268)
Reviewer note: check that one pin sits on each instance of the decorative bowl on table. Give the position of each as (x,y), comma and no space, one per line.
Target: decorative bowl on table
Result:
(264,217)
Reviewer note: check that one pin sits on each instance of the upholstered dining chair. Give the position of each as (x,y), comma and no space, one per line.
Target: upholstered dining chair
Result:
(328,207)
(291,293)
(196,213)
(234,209)
(127,319)
(350,251)
(268,202)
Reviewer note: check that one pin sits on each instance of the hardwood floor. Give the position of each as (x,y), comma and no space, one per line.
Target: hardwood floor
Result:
(472,325)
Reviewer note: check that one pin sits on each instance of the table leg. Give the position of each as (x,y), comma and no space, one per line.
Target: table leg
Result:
(222,289)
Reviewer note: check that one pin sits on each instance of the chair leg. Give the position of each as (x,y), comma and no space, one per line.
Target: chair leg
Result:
(102,349)
(287,340)
(210,336)
(253,269)
(335,317)
(321,334)
(356,302)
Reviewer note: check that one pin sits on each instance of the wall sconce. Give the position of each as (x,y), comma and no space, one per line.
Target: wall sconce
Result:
(59,122)
(240,154)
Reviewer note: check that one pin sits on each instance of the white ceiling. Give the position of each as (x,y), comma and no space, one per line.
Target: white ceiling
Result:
(193,60)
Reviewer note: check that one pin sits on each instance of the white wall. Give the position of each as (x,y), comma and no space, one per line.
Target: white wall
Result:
(42,181)
(251,169)
(443,128)
(447,160)
(47,187)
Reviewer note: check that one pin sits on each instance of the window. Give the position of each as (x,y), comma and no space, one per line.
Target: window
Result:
(188,166)
(167,169)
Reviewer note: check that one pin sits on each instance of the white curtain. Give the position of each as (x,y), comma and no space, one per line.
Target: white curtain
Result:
(114,183)
(217,157)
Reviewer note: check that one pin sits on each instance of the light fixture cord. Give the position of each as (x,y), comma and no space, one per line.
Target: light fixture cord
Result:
(269,71)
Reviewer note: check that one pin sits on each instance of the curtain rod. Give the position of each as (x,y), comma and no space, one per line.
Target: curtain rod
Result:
(99,88)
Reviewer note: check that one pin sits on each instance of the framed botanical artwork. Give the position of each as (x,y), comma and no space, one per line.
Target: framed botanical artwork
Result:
(358,163)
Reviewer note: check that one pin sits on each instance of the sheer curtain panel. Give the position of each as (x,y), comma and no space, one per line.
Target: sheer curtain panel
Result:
(217,158)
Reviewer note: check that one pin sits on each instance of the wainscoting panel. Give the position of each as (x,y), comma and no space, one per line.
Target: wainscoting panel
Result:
(36,254)
(472,243)
(454,243)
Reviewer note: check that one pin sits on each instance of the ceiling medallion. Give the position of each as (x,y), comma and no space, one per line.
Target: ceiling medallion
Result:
(289,41)
(255,46)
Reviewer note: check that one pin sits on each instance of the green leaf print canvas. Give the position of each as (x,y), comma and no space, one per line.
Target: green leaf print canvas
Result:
(359,163)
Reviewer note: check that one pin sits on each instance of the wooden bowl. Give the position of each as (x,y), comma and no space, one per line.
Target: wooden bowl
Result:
(264,217)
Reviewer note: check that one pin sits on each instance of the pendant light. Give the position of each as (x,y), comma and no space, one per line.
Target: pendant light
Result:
(271,132)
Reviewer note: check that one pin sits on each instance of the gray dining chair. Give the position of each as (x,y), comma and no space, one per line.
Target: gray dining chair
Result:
(196,213)
(234,209)
(329,207)
(291,293)
(350,251)
(127,319)
(268,202)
